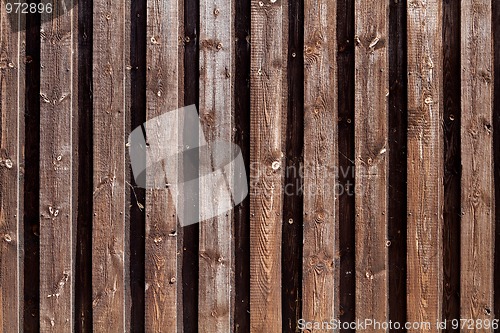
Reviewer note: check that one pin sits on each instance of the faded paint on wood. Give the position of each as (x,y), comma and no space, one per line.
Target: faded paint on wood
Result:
(371,158)
(111,108)
(216,261)
(58,106)
(162,95)
(477,225)
(425,164)
(12,70)
(321,260)
(268,87)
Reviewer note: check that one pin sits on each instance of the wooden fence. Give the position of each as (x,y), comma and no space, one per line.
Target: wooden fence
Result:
(368,131)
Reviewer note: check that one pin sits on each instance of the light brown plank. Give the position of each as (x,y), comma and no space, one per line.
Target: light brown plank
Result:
(477,232)
(12,41)
(321,257)
(268,107)
(162,93)
(425,164)
(216,264)
(57,108)
(111,109)
(371,122)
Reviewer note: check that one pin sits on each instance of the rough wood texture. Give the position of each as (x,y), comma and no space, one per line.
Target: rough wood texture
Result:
(12,70)
(216,262)
(268,88)
(371,135)
(477,233)
(162,95)
(58,106)
(111,107)
(321,260)
(425,166)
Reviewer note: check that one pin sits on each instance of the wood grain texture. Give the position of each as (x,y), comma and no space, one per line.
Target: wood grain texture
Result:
(162,95)
(477,233)
(268,87)
(216,261)
(12,70)
(111,108)
(321,259)
(58,106)
(425,164)
(371,139)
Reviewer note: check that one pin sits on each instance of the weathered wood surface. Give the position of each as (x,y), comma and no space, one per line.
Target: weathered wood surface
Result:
(162,95)
(58,107)
(371,135)
(111,108)
(266,158)
(477,225)
(321,260)
(324,90)
(12,44)
(216,260)
(425,164)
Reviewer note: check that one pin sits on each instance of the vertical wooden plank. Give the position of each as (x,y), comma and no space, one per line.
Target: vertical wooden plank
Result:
(346,92)
(84,176)
(293,200)
(496,152)
(242,138)
(162,90)
(138,77)
(397,150)
(477,233)
(111,102)
(216,262)
(31,200)
(371,123)
(190,233)
(57,96)
(452,163)
(12,43)
(266,159)
(321,262)
(425,168)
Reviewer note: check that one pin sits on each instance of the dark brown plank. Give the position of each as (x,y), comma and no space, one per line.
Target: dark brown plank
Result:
(242,139)
(31,217)
(83,262)
(477,233)
(346,89)
(452,162)
(398,127)
(111,108)
(138,77)
(425,153)
(371,124)
(58,105)
(162,89)
(293,203)
(12,90)
(321,190)
(266,158)
(190,248)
